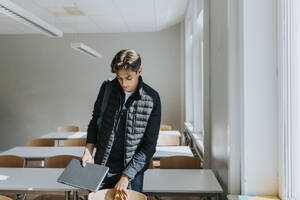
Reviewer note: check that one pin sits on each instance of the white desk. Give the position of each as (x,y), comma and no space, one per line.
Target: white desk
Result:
(58,136)
(181,182)
(40,153)
(173,132)
(72,135)
(156,182)
(166,151)
(232,197)
(33,180)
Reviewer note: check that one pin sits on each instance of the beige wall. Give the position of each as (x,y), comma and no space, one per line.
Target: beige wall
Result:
(44,83)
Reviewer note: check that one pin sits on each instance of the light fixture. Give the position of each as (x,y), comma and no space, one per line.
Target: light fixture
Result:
(86,50)
(21,15)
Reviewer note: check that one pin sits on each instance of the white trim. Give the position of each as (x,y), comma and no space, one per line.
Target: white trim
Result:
(242,63)
(280,98)
(188,66)
(182,75)
(289,75)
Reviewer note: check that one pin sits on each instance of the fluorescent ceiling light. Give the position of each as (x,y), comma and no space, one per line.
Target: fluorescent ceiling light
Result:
(86,50)
(19,14)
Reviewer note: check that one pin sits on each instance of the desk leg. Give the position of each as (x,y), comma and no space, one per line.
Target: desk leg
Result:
(75,195)
(68,195)
(56,143)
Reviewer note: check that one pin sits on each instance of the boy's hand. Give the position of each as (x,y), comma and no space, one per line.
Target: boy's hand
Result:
(87,158)
(121,192)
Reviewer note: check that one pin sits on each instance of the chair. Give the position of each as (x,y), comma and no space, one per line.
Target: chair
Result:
(40,142)
(108,194)
(180,162)
(75,142)
(4,198)
(68,128)
(164,127)
(10,161)
(151,164)
(168,140)
(60,161)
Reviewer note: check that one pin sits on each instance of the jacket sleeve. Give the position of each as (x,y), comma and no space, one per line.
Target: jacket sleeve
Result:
(141,158)
(93,127)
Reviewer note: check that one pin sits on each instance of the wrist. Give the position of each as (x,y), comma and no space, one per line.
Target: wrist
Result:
(124,176)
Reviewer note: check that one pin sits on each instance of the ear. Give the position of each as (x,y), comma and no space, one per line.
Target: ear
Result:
(140,70)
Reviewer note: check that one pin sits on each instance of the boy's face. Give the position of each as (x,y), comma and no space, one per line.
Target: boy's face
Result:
(128,79)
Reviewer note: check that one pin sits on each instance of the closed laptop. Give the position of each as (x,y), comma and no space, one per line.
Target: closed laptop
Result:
(89,177)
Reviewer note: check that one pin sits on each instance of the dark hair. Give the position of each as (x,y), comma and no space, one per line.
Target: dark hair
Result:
(126,59)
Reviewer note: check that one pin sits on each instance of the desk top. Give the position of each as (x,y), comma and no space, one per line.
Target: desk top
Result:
(35,179)
(64,135)
(173,132)
(43,152)
(166,151)
(155,181)
(181,181)
(72,135)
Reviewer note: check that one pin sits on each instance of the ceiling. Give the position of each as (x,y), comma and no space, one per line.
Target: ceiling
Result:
(99,16)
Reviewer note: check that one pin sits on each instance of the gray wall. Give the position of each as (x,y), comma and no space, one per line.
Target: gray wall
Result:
(44,83)
(219,90)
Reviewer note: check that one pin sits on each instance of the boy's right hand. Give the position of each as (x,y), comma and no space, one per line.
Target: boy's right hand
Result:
(87,158)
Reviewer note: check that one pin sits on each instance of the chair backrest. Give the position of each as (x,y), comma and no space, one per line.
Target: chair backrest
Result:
(40,142)
(68,128)
(180,162)
(12,161)
(151,164)
(108,194)
(168,140)
(164,127)
(4,198)
(75,142)
(60,161)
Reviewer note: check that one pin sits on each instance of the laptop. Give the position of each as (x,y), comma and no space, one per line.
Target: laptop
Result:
(89,177)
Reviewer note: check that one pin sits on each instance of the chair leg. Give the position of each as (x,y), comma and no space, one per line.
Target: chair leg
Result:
(19,197)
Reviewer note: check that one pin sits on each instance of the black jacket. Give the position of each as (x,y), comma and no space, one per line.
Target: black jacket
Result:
(142,126)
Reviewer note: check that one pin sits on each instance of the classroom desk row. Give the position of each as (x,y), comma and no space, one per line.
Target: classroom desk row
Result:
(40,153)
(60,136)
(159,182)
(70,135)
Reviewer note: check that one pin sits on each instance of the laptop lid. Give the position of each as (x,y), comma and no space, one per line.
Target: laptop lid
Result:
(89,177)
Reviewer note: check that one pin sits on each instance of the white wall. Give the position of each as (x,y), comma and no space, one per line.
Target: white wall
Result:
(260,112)
(44,83)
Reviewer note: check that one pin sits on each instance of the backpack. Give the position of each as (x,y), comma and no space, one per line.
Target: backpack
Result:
(108,88)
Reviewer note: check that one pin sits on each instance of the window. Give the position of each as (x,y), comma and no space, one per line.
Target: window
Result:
(194,70)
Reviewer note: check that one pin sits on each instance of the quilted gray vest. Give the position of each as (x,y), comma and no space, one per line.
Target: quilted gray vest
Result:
(138,113)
